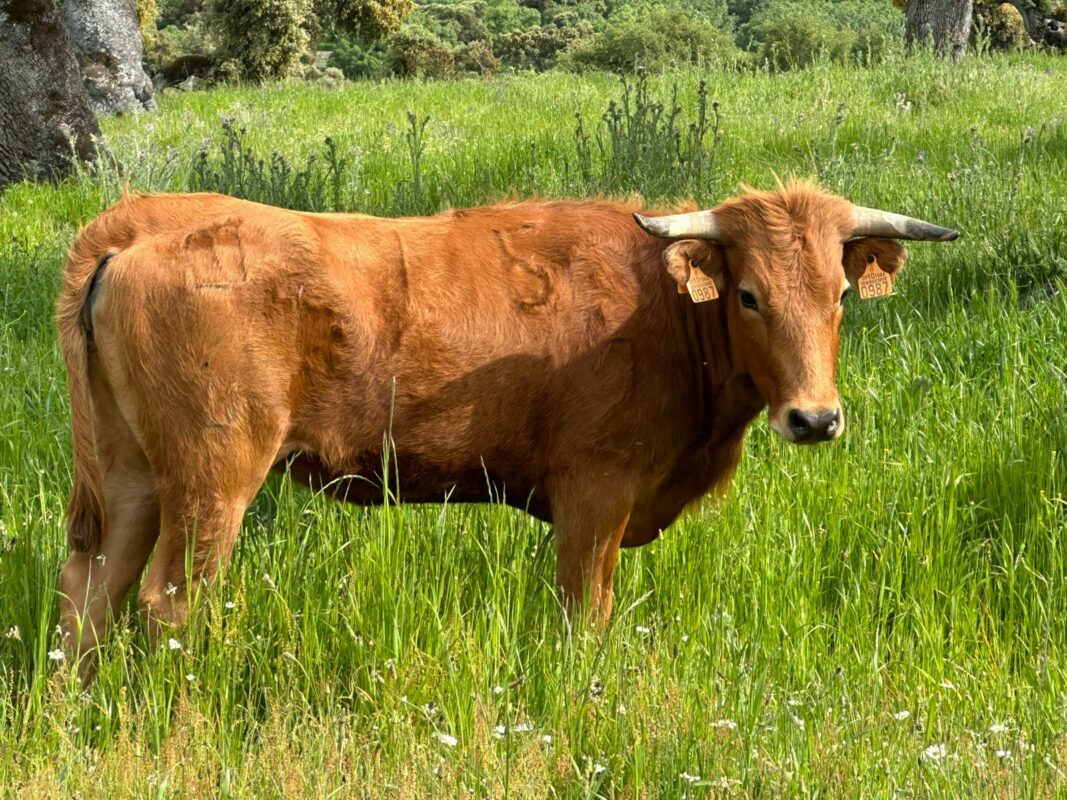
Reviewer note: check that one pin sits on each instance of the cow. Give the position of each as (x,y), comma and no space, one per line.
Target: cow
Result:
(552,354)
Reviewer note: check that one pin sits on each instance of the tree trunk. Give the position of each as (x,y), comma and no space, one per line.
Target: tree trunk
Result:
(43,110)
(944,23)
(107,40)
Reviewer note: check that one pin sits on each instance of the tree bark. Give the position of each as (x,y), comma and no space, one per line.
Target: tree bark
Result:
(108,43)
(45,118)
(944,23)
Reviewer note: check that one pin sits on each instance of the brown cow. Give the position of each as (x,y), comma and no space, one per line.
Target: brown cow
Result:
(539,348)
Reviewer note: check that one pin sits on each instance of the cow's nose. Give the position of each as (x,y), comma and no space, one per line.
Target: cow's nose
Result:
(814,426)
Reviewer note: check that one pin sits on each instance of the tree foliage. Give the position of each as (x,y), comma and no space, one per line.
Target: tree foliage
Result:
(370,20)
(260,40)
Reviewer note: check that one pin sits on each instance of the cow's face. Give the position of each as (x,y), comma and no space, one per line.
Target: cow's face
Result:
(783,264)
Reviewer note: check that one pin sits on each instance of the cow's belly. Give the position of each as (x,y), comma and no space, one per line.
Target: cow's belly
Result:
(412,480)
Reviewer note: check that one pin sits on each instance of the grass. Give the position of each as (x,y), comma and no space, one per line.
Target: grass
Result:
(883,617)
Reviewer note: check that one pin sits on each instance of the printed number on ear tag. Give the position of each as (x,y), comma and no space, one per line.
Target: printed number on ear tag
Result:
(874,282)
(701,287)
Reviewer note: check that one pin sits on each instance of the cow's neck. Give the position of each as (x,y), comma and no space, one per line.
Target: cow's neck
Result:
(727,399)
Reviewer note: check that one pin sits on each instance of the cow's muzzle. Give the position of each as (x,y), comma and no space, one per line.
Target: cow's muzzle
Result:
(809,427)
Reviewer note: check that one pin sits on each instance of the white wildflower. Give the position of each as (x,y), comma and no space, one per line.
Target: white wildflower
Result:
(724,724)
(500,731)
(726,783)
(797,721)
(792,702)
(599,769)
(902,715)
(546,739)
(267,579)
(171,589)
(685,776)
(498,690)
(445,739)
(174,644)
(190,677)
(685,638)
(1003,755)
(935,752)
(643,630)
(56,655)
(13,633)
(230,604)
(998,727)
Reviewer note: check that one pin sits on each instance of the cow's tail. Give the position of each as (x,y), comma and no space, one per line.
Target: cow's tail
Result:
(86,510)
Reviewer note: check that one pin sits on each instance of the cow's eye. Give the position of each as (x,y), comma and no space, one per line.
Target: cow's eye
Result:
(846,293)
(748,300)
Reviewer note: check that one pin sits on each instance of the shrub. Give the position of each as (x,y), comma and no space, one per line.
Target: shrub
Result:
(477,57)
(172,43)
(354,60)
(263,38)
(414,53)
(370,20)
(1001,24)
(457,22)
(147,13)
(505,16)
(655,40)
(795,38)
(539,47)
(788,34)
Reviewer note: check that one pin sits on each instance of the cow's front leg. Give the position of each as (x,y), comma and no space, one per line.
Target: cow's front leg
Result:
(590,517)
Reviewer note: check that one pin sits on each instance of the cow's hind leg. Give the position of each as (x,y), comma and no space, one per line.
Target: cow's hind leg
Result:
(200,521)
(589,519)
(94,584)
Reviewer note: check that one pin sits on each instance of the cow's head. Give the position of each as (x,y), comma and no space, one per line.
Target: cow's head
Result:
(782,263)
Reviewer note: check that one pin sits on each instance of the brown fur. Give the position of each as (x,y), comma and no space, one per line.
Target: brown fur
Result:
(533,351)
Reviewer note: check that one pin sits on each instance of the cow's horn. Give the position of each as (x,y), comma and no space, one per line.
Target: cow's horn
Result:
(872,222)
(695,225)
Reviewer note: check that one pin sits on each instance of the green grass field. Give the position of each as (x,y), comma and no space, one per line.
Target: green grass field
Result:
(881,617)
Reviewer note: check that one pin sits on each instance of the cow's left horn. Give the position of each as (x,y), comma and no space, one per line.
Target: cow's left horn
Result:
(872,222)
(695,225)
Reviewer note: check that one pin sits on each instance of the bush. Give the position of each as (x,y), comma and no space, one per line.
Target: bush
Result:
(505,16)
(539,47)
(795,39)
(370,20)
(787,34)
(655,40)
(459,23)
(264,39)
(477,57)
(1002,24)
(414,53)
(355,61)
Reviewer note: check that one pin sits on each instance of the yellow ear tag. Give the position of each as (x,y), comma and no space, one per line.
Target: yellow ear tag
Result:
(874,282)
(701,287)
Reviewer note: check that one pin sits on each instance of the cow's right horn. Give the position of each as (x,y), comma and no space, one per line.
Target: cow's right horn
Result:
(695,225)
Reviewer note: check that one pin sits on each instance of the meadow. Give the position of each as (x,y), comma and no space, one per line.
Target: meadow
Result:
(885,616)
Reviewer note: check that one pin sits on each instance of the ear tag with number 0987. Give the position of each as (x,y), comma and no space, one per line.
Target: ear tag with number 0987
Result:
(701,287)
(874,282)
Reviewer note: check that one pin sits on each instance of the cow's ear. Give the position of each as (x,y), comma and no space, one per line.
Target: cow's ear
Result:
(860,253)
(695,259)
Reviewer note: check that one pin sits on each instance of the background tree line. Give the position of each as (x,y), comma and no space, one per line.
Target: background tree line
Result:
(255,40)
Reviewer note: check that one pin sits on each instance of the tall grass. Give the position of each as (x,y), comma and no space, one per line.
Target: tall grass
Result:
(881,617)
